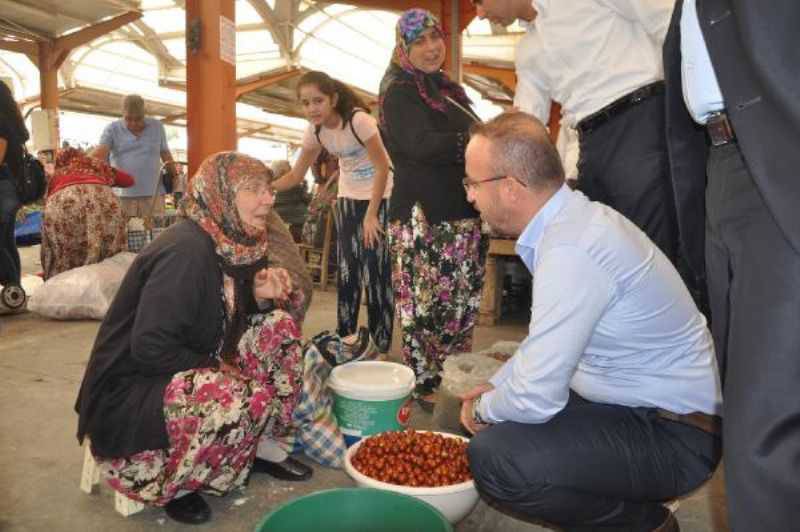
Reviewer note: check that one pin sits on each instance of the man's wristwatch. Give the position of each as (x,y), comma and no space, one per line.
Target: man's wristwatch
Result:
(476,415)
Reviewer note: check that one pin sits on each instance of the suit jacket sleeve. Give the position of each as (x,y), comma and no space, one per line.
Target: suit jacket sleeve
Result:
(687,152)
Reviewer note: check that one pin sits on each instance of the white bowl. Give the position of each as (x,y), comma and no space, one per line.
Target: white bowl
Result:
(455,501)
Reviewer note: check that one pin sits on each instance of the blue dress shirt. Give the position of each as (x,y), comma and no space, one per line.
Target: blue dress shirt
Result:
(139,156)
(611,319)
(700,88)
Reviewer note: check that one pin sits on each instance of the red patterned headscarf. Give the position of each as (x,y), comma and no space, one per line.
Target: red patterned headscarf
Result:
(74,167)
(241,248)
(72,161)
(211,203)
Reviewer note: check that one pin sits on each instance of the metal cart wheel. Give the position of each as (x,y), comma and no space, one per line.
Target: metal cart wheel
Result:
(12,296)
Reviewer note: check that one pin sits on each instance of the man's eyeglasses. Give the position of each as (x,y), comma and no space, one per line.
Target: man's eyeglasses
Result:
(470,184)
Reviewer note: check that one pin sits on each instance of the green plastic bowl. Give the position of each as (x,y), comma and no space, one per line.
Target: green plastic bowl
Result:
(355,510)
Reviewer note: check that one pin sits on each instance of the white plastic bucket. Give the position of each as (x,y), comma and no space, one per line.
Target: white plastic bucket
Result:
(371,397)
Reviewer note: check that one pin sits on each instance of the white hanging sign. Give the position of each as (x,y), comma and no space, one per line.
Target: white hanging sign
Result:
(227,40)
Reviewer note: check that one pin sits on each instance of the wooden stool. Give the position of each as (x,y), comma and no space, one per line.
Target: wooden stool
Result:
(317,259)
(90,477)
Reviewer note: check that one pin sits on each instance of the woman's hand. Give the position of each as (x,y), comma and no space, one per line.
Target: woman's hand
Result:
(230,370)
(272,283)
(372,230)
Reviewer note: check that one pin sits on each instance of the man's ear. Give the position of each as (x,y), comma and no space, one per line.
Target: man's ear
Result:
(513,188)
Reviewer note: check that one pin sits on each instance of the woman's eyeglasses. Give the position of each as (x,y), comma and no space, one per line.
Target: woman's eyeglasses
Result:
(259,188)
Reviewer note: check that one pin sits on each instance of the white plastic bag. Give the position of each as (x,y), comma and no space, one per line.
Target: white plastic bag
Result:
(82,293)
(460,374)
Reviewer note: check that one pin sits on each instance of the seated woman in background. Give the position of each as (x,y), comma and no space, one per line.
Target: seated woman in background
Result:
(291,204)
(82,221)
(325,170)
(198,364)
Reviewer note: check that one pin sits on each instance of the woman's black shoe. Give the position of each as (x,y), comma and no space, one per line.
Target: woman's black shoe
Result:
(190,509)
(289,469)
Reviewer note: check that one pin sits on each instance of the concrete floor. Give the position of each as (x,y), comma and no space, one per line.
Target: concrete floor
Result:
(41,365)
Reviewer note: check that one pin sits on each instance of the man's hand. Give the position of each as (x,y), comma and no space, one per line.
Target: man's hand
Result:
(468,400)
(272,283)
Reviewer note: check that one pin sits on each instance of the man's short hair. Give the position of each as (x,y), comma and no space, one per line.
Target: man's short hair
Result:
(133,106)
(521,147)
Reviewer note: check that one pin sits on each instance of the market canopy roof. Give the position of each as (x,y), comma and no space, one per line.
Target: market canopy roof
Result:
(273,38)
(107,103)
(37,20)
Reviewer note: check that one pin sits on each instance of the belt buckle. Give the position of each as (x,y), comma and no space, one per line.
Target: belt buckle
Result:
(719,129)
(639,94)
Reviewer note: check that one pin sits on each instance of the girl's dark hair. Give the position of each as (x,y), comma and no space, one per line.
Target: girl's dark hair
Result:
(10,114)
(347,101)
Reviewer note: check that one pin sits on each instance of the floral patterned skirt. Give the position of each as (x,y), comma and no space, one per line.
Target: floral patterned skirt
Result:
(437,276)
(214,420)
(82,224)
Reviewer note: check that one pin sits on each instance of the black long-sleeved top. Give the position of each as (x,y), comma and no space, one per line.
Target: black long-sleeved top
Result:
(11,166)
(427,150)
(166,317)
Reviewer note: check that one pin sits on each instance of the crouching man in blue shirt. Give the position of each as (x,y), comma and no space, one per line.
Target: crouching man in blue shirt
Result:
(610,405)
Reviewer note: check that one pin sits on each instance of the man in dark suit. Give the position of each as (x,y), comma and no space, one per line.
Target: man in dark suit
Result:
(735,66)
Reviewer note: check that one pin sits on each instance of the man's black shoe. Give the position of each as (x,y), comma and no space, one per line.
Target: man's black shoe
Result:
(289,469)
(190,509)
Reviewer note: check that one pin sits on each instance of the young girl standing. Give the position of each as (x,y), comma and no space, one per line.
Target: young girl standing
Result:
(339,122)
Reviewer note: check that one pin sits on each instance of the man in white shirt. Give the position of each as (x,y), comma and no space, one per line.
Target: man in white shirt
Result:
(609,407)
(601,60)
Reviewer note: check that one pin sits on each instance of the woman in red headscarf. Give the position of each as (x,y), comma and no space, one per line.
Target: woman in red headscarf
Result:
(198,363)
(82,222)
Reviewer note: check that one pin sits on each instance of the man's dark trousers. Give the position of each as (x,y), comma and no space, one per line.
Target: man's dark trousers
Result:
(754,288)
(623,163)
(592,466)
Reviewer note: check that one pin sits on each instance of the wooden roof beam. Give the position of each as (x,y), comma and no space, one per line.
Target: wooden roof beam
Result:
(23,47)
(506,76)
(64,44)
(253,131)
(466,9)
(268,16)
(265,81)
(398,5)
(156,46)
(173,118)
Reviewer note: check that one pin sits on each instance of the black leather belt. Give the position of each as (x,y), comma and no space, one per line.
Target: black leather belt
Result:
(699,420)
(597,119)
(719,129)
